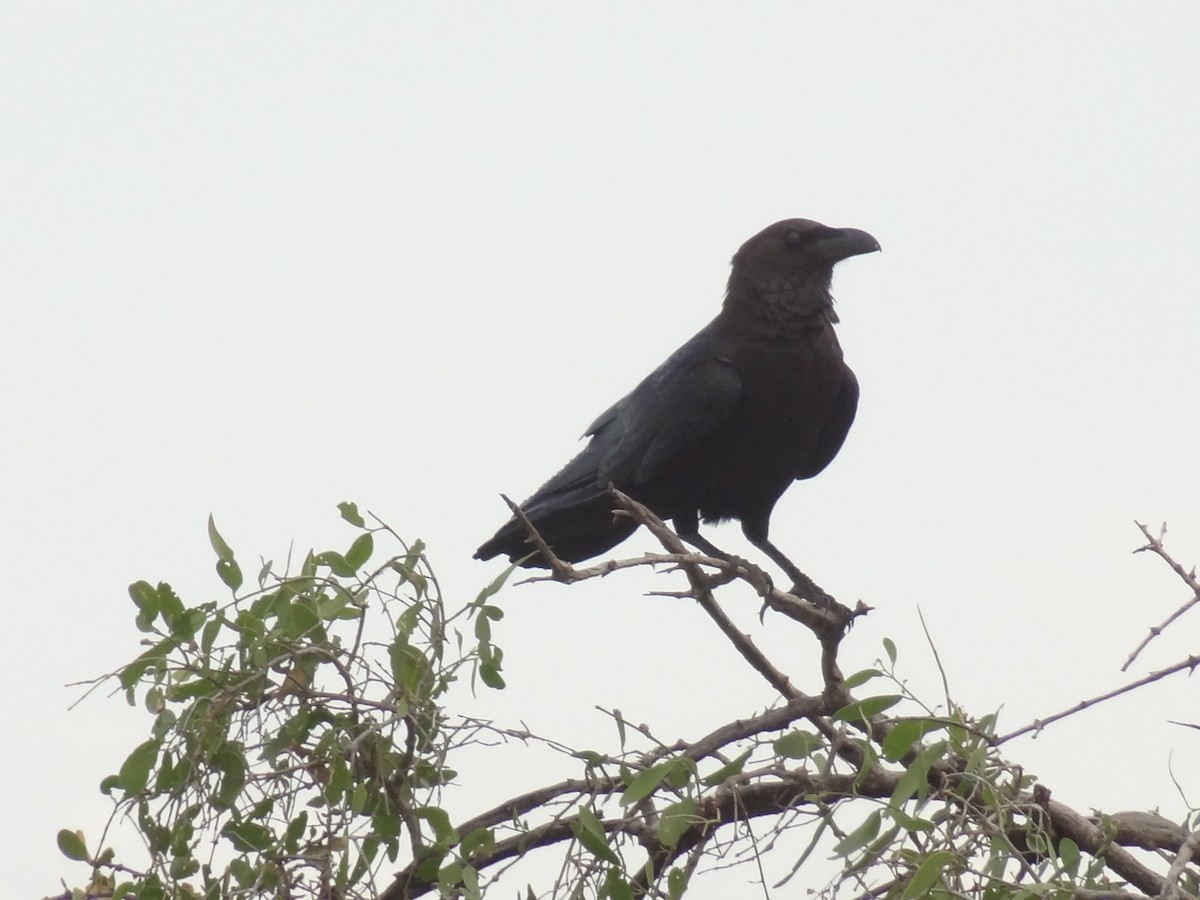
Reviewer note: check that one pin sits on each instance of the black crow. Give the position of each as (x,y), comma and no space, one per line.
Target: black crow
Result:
(759,398)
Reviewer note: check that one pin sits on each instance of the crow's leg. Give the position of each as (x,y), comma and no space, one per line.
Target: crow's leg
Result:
(802,586)
(688,528)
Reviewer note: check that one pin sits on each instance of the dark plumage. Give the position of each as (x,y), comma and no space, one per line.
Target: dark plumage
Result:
(760,397)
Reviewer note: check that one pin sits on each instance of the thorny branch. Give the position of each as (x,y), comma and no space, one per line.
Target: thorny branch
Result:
(1155,545)
(774,791)
(1187,664)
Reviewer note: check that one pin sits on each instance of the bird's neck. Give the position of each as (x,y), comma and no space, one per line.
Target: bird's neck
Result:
(796,307)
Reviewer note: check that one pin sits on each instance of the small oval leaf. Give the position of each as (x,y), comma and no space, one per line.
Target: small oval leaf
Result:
(645,782)
(860,836)
(797,744)
(865,709)
(927,874)
(218,543)
(135,771)
(230,573)
(676,819)
(360,551)
(351,514)
(889,647)
(71,844)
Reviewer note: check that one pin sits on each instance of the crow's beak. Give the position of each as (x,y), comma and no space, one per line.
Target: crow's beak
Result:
(843,243)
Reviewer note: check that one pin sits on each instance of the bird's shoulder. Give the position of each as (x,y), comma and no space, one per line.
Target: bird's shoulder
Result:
(691,393)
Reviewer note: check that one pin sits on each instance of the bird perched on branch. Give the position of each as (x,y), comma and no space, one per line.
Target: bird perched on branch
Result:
(759,398)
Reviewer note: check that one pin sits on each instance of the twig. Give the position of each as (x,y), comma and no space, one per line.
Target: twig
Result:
(1038,724)
(702,591)
(1155,545)
(937,658)
(557,566)
(1171,889)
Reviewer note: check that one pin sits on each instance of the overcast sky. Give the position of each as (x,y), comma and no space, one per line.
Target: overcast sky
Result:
(261,258)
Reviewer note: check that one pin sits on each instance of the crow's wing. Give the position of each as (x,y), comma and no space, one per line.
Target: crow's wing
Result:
(632,442)
(836,427)
(666,415)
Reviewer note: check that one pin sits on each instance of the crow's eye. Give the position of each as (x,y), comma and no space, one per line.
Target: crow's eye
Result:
(793,237)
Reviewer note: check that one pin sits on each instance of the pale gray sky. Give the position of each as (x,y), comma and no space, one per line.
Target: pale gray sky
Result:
(259,259)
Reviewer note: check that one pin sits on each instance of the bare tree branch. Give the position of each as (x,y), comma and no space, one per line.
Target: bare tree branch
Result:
(1155,545)
(1188,664)
(1172,890)
(1092,839)
(776,792)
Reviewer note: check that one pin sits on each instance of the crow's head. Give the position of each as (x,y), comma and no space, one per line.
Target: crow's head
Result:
(788,266)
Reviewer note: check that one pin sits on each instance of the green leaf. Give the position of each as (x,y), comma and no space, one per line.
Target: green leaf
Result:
(1068,852)
(132,673)
(409,667)
(470,882)
(681,772)
(71,845)
(481,841)
(169,603)
(907,822)
(360,551)
(350,513)
(336,563)
(449,877)
(589,831)
(208,636)
(615,887)
(483,629)
(915,780)
(443,832)
(495,585)
(889,648)
(727,771)
(135,771)
(865,709)
(183,866)
(797,744)
(230,760)
(246,836)
(645,782)
(861,677)
(230,573)
(143,594)
(186,623)
(860,836)
(676,819)
(358,798)
(489,674)
(242,872)
(904,734)
(340,606)
(299,618)
(218,543)
(869,758)
(676,884)
(927,874)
